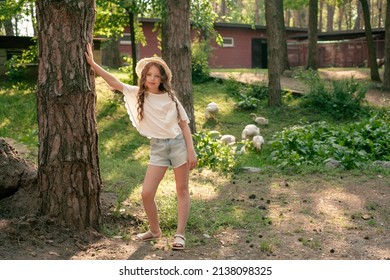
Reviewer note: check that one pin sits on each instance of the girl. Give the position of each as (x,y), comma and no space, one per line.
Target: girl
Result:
(157,114)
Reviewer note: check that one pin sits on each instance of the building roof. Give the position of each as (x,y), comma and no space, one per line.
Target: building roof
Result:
(15,42)
(342,35)
(301,33)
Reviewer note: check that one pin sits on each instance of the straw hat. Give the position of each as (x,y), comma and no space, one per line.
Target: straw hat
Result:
(143,62)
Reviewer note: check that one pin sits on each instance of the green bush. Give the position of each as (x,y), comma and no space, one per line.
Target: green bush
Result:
(213,154)
(200,61)
(232,86)
(353,144)
(247,102)
(127,69)
(339,99)
(247,96)
(17,70)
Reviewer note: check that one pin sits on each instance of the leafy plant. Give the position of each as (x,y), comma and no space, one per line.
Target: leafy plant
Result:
(339,99)
(232,87)
(17,65)
(353,144)
(247,102)
(247,96)
(200,61)
(127,69)
(214,154)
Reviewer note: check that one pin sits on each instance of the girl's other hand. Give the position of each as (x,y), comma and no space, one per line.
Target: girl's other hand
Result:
(192,160)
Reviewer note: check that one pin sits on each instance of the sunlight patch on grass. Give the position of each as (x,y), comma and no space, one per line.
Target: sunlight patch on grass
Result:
(111,145)
(332,204)
(5,122)
(205,185)
(238,212)
(141,154)
(268,246)
(18,116)
(275,185)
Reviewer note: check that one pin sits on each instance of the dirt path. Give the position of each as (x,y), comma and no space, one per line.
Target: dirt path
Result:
(373,95)
(298,218)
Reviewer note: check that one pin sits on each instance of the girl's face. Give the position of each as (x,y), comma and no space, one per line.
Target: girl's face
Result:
(153,79)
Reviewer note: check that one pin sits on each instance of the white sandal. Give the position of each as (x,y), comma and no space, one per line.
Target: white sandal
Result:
(148,236)
(179,242)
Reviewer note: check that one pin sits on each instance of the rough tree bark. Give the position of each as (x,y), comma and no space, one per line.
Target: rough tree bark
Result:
(284,56)
(313,35)
(176,51)
(370,42)
(386,76)
(359,16)
(275,40)
(330,17)
(133,44)
(9,28)
(68,162)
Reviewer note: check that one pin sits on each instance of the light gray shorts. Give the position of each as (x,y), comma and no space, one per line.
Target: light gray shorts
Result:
(168,152)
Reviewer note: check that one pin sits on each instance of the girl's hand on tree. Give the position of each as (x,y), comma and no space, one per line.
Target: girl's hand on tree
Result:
(89,54)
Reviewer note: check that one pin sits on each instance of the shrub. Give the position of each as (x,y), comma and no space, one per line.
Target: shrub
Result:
(247,102)
(127,69)
(215,155)
(200,61)
(353,144)
(247,96)
(232,86)
(17,65)
(339,99)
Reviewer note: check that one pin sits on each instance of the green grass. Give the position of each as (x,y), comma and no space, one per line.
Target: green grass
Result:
(18,115)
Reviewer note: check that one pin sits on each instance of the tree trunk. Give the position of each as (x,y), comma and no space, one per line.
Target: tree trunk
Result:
(223,10)
(68,162)
(275,40)
(176,51)
(370,42)
(133,44)
(9,28)
(379,13)
(330,17)
(287,18)
(341,15)
(284,54)
(359,16)
(299,20)
(313,35)
(257,11)
(320,21)
(386,76)
(348,16)
(33,19)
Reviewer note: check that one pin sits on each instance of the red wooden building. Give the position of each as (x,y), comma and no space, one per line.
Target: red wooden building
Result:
(246,47)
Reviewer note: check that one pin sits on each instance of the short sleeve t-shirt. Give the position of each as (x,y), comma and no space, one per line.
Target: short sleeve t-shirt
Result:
(160,115)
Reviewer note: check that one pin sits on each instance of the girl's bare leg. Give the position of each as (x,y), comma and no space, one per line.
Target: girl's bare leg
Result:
(153,177)
(183,196)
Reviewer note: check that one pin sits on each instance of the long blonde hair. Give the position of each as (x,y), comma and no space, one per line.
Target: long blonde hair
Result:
(165,86)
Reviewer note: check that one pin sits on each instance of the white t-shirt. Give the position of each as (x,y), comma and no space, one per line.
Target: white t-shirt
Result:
(160,115)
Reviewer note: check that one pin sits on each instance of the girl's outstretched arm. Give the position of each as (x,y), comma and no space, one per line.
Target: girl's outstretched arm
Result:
(110,79)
